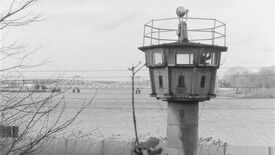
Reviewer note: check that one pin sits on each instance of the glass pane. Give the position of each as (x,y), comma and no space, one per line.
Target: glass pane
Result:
(158,60)
(210,60)
(207,59)
(184,59)
(213,59)
(190,58)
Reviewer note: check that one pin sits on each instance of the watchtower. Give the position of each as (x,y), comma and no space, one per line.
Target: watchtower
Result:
(182,64)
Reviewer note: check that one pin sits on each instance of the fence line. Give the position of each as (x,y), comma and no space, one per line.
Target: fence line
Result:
(107,147)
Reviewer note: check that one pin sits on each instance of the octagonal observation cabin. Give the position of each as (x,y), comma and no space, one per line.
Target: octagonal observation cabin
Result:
(183,67)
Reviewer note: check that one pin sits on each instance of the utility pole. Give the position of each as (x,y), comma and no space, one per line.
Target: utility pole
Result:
(134,70)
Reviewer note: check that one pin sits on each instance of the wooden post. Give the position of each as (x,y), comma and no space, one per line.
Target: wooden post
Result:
(270,150)
(102,150)
(134,70)
(133,102)
(224,148)
(133,148)
(66,146)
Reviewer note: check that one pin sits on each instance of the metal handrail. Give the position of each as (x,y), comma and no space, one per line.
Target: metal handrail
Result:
(155,34)
(162,39)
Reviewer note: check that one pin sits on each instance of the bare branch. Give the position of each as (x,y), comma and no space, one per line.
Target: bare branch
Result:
(26,108)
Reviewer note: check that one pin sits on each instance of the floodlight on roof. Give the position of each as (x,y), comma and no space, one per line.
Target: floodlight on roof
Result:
(181,11)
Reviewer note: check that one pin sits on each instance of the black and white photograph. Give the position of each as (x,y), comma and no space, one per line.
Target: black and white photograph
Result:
(137,77)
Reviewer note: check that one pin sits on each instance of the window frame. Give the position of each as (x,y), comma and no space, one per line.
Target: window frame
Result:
(160,77)
(191,62)
(162,58)
(203,81)
(180,81)
(214,57)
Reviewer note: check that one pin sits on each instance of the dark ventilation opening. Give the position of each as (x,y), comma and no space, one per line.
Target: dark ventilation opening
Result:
(202,85)
(160,82)
(181,81)
(181,113)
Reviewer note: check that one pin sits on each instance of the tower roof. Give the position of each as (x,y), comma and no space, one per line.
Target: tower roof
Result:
(184,44)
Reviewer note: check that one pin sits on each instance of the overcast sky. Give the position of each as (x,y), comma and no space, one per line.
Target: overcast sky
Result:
(105,34)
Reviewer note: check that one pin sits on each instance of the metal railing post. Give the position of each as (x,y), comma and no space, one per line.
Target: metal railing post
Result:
(213,32)
(152,24)
(224,32)
(158,35)
(144,34)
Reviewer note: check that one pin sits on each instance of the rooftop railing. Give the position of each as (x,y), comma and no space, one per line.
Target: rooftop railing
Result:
(201,30)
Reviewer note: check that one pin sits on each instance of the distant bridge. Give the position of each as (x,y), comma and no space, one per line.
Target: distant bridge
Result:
(82,83)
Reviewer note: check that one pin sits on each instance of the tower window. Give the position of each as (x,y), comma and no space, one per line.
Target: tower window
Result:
(157,58)
(160,82)
(183,59)
(181,81)
(202,85)
(208,59)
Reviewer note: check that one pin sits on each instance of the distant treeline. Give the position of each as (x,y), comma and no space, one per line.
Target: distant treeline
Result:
(242,79)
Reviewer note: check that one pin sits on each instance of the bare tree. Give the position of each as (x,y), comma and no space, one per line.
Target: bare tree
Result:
(39,115)
(18,13)
(266,80)
(247,82)
(234,78)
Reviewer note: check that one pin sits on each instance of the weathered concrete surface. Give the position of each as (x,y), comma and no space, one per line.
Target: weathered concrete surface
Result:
(182,128)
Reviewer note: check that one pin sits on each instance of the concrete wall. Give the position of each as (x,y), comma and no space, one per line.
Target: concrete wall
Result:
(181,91)
(164,73)
(182,128)
(192,78)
